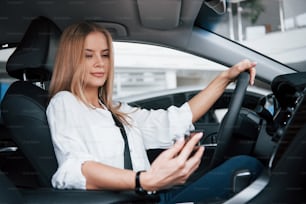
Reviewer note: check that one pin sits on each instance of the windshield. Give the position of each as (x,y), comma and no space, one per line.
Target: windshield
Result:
(276,28)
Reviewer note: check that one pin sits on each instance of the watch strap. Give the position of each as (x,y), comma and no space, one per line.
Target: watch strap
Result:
(138,188)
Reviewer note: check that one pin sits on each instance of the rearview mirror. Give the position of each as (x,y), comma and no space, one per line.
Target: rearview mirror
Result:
(219,6)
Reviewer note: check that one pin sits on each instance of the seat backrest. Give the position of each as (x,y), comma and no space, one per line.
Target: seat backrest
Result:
(24,104)
(9,193)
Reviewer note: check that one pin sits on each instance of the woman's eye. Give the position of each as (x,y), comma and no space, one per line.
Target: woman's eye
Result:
(105,55)
(88,56)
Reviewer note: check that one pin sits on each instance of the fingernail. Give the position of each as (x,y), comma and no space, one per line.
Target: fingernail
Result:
(200,134)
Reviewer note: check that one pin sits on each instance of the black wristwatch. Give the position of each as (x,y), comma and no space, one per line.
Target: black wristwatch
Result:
(138,189)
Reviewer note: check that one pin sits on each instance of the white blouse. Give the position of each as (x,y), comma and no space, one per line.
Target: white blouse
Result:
(81,133)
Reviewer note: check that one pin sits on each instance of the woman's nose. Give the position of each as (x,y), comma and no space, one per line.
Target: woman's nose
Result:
(99,61)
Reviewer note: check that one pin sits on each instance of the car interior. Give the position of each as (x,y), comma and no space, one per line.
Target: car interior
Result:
(269,127)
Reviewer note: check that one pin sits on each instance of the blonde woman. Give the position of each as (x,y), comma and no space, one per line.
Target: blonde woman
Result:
(89,146)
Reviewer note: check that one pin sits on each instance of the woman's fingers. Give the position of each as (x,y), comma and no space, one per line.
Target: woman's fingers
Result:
(252,74)
(189,159)
(250,66)
(189,146)
(244,65)
(176,164)
(175,149)
(194,161)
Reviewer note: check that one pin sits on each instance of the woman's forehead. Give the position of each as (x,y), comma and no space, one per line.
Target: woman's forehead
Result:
(96,41)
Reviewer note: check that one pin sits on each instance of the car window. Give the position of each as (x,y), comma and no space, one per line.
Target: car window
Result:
(274,28)
(142,68)
(5,79)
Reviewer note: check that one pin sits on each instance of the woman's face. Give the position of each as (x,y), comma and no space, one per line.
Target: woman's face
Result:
(97,60)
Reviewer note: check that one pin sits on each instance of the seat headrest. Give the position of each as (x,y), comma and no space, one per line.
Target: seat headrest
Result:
(34,56)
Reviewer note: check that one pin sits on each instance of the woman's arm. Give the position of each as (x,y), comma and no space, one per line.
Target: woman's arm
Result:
(159,127)
(101,176)
(172,167)
(202,102)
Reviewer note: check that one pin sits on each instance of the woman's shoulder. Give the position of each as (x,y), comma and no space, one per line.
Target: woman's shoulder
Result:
(65,97)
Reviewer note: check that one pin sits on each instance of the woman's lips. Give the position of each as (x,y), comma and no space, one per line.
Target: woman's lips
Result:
(98,74)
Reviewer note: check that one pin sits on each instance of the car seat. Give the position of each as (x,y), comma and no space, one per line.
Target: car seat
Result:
(23,108)
(24,104)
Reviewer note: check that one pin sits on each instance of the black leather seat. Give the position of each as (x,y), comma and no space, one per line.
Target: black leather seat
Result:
(23,107)
(9,193)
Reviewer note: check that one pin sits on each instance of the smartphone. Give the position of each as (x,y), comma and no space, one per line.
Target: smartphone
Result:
(188,137)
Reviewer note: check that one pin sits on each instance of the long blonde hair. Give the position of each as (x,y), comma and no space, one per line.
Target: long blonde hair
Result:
(69,68)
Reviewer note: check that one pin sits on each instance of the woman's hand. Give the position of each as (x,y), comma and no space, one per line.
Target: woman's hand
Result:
(173,166)
(202,102)
(245,65)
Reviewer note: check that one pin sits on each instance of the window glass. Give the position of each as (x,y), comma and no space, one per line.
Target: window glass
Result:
(142,68)
(5,79)
(276,28)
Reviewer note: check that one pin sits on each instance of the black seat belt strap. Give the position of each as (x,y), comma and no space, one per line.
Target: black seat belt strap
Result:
(127,156)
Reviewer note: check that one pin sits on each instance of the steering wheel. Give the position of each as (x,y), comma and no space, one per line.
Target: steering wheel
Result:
(227,125)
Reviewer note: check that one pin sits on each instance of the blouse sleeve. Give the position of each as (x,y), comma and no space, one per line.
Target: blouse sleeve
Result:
(62,114)
(160,127)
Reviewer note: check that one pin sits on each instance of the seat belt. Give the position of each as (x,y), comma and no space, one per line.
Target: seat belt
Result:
(127,156)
